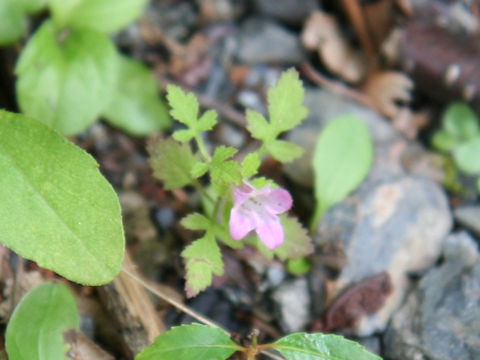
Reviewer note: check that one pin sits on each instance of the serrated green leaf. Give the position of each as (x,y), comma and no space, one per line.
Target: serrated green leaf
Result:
(285,101)
(302,346)
(284,151)
(66,85)
(202,260)
(297,243)
(342,158)
(190,342)
(55,206)
(196,221)
(222,170)
(208,120)
(467,156)
(164,160)
(199,169)
(250,165)
(444,141)
(258,126)
(38,324)
(184,106)
(105,16)
(183,135)
(460,121)
(136,106)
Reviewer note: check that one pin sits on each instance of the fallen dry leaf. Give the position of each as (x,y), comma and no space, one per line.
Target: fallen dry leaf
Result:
(322,33)
(387,90)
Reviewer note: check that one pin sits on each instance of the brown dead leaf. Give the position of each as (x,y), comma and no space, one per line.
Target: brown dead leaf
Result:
(83,348)
(387,90)
(323,34)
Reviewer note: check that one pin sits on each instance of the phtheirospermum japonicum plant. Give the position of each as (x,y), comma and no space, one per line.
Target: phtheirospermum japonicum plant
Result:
(58,210)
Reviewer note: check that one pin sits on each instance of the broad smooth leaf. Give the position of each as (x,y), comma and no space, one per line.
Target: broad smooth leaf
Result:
(444,141)
(172,162)
(136,106)
(190,342)
(66,84)
(105,16)
(36,328)
(301,346)
(12,23)
(467,156)
(460,121)
(202,260)
(56,208)
(341,160)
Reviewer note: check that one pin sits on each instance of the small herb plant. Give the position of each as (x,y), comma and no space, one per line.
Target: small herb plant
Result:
(459,137)
(237,201)
(70,72)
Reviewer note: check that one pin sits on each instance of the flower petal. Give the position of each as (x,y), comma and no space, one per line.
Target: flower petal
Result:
(240,224)
(270,231)
(277,201)
(242,193)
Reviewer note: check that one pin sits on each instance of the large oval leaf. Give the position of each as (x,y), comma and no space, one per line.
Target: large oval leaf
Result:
(301,346)
(36,328)
(105,15)
(190,342)
(55,206)
(467,156)
(136,106)
(341,161)
(66,82)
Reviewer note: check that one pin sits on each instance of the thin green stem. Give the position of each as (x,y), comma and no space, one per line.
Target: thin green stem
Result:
(201,189)
(203,149)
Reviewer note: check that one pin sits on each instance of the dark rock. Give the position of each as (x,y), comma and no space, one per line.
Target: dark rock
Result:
(469,217)
(441,318)
(291,12)
(292,300)
(265,41)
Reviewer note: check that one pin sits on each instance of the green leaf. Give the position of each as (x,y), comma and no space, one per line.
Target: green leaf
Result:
(478,185)
(284,151)
(208,120)
(39,322)
(285,103)
(12,23)
(302,346)
(203,260)
(297,243)
(105,16)
(222,170)
(444,141)
(460,121)
(341,160)
(164,160)
(12,18)
(196,221)
(183,135)
(199,169)
(66,85)
(190,342)
(300,266)
(250,165)
(184,106)
(258,126)
(467,156)
(136,106)
(56,208)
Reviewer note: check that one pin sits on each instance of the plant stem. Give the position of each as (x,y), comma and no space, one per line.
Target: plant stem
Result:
(202,148)
(201,189)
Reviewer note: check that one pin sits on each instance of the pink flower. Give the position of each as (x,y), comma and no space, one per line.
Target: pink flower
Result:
(258,209)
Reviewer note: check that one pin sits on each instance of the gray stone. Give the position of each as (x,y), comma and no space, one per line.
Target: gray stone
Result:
(265,41)
(469,217)
(394,222)
(292,12)
(292,301)
(441,317)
